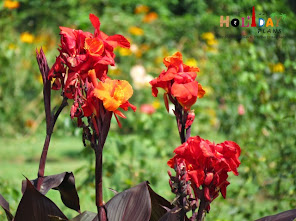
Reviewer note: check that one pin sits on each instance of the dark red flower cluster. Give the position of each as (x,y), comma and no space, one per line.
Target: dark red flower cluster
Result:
(178,81)
(83,60)
(207,165)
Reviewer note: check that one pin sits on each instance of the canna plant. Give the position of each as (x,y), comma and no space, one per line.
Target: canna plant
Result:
(201,166)
(80,72)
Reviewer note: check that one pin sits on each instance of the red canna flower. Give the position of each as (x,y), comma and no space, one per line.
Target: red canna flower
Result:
(207,165)
(178,81)
(83,60)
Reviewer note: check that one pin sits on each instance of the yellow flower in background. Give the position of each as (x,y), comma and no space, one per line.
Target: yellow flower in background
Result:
(208,90)
(136,31)
(141,9)
(11,4)
(150,17)
(11,46)
(124,51)
(212,42)
(212,49)
(208,36)
(191,62)
(156,104)
(26,37)
(279,67)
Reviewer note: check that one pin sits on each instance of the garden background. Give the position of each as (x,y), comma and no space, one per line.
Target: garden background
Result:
(250,84)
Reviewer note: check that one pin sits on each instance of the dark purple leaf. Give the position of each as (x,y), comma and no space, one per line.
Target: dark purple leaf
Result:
(289,215)
(56,218)
(160,206)
(5,205)
(65,184)
(172,215)
(35,207)
(85,216)
(132,204)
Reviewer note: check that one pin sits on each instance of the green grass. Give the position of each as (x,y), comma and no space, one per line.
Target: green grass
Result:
(19,157)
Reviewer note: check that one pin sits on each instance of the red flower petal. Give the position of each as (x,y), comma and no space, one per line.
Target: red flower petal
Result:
(175,60)
(207,194)
(94,46)
(209,178)
(166,101)
(186,94)
(95,21)
(197,177)
(118,40)
(201,91)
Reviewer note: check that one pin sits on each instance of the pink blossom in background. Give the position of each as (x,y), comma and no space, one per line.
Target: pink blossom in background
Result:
(147,108)
(241,109)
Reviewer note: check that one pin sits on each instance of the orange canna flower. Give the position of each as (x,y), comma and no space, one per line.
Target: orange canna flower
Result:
(11,4)
(178,81)
(150,17)
(175,59)
(141,9)
(186,94)
(113,93)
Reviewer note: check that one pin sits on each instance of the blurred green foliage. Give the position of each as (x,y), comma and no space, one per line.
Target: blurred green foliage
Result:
(250,84)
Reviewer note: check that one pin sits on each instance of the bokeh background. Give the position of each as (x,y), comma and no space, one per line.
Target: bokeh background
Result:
(250,84)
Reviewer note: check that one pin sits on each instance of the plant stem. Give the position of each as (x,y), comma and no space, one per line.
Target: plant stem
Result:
(99,181)
(201,209)
(49,131)
(103,122)
(99,184)
(181,117)
(43,161)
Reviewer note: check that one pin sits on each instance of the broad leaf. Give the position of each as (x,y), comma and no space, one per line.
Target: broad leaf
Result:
(160,206)
(132,204)
(5,205)
(289,215)
(138,203)
(85,216)
(172,215)
(35,207)
(65,184)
